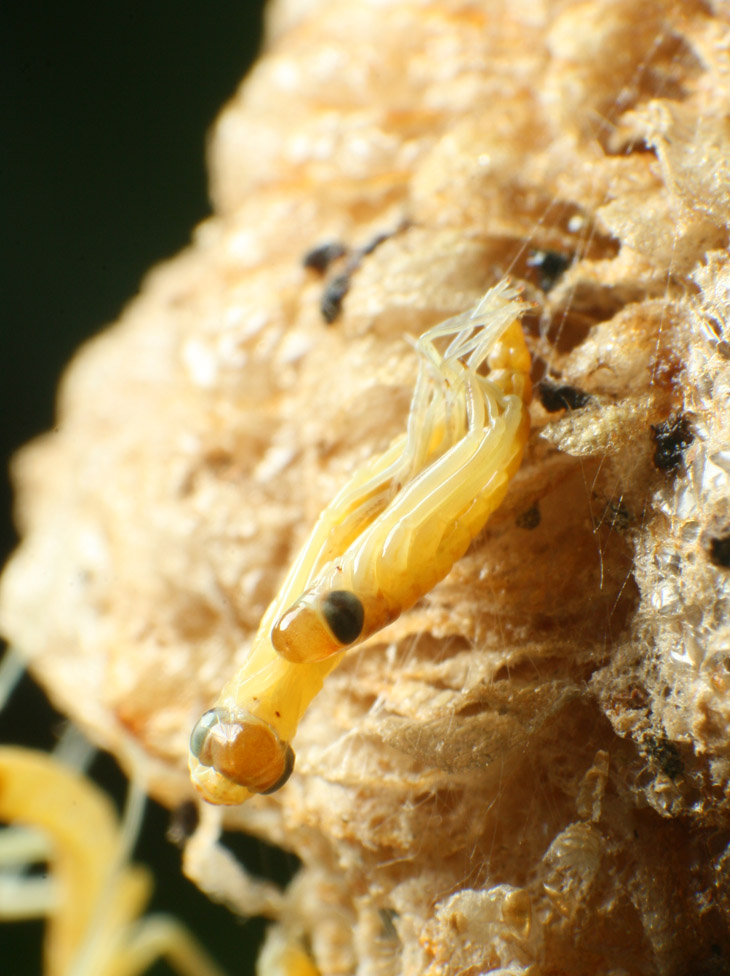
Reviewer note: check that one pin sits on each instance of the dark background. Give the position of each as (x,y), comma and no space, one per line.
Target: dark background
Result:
(107,107)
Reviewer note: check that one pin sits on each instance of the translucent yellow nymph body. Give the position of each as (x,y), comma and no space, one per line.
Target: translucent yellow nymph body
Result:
(391,533)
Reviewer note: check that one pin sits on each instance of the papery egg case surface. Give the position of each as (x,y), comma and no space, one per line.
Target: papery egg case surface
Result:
(495,781)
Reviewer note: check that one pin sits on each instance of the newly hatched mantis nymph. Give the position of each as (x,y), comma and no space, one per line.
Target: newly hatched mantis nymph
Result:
(388,536)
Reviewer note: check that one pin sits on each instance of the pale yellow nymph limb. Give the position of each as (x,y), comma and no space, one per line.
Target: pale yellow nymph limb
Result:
(387,537)
(93,895)
(430,524)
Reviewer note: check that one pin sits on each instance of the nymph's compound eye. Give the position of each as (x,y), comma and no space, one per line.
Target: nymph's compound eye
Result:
(315,627)
(344,614)
(199,736)
(244,749)
(289,758)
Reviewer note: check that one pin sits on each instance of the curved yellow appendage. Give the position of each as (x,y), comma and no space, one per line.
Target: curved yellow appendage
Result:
(384,541)
(282,955)
(469,440)
(93,924)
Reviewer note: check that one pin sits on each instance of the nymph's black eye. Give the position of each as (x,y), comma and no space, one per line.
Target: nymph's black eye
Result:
(199,737)
(289,758)
(344,614)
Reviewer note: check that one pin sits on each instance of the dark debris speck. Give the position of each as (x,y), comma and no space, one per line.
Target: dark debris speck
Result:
(183,822)
(671,439)
(666,755)
(618,516)
(321,257)
(388,917)
(375,242)
(333,296)
(556,396)
(550,266)
(530,518)
(720,551)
